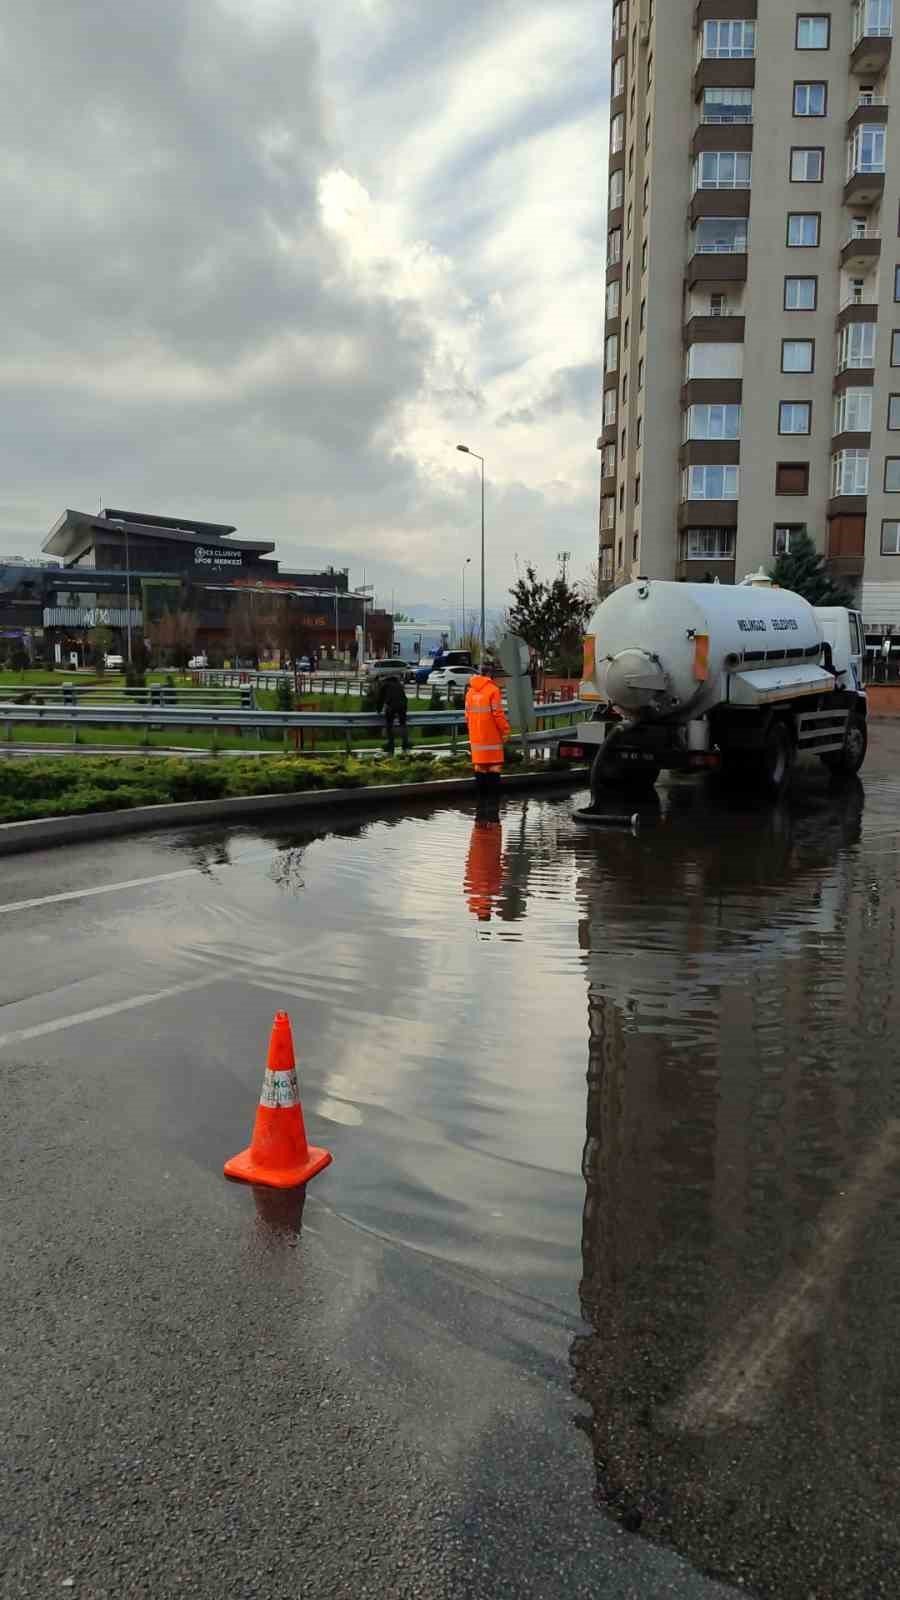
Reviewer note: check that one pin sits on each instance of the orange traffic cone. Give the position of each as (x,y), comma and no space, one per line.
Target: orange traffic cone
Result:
(279,1155)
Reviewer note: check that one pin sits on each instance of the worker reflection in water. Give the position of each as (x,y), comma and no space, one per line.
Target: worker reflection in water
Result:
(483,880)
(488,728)
(390,699)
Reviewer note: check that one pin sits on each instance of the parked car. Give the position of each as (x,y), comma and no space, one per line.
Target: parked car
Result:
(446,678)
(390,667)
(426,665)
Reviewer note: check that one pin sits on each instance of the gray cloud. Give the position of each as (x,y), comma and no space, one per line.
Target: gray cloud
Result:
(178,326)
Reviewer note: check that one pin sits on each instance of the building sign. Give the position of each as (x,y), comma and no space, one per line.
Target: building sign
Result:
(216,555)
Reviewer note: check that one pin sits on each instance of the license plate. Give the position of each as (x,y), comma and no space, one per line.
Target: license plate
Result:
(640,757)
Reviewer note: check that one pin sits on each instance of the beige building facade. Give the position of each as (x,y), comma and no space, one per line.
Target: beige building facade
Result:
(751,379)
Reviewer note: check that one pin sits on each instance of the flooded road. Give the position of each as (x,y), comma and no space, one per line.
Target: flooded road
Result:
(636,1097)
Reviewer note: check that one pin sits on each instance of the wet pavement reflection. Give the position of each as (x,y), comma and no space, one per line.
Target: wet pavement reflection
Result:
(742,1173)
(709,1227)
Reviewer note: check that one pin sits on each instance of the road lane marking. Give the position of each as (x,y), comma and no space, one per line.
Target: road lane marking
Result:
(98,1013)
(103,888)
(744,1376)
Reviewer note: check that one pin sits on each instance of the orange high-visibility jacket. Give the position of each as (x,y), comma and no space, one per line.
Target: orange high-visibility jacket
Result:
(487,723)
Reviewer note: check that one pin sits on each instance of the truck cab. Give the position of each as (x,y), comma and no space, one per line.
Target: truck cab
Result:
(843,632)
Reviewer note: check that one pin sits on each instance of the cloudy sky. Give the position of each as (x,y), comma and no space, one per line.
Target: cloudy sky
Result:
(267,262)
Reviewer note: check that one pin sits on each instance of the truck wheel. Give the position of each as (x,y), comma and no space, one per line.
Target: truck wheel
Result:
(777,758)
(847,762)
(610,772)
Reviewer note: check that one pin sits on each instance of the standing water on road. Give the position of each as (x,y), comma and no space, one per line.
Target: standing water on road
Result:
(647,1084)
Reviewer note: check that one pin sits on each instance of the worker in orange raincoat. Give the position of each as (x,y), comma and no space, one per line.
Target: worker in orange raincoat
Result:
(488,727)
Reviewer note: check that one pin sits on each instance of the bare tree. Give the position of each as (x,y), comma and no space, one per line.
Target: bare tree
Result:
(176,633)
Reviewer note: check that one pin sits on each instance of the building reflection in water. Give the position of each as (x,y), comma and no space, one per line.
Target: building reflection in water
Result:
(742,1208)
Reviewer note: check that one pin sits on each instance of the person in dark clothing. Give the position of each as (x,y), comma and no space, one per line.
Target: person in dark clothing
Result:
(390,699)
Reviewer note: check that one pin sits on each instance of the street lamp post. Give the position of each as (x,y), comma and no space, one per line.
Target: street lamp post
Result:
(467,452)
(462,631)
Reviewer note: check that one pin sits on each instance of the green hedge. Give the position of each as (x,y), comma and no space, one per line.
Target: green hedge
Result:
(68,786)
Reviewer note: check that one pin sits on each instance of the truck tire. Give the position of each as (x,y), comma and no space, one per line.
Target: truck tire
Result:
(777,758)
(608,771)
(847,762)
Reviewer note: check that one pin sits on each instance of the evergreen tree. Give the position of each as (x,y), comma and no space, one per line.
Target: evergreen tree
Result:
(803,569)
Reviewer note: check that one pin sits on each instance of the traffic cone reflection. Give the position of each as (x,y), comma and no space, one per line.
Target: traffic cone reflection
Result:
(279,1155)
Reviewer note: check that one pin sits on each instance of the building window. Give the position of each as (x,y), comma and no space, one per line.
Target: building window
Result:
(865,151)
(853,411)
(712,422)
(617,133)
(710,483)
(897,283)
(646,194)
(721,236)
(798,355)
(643,315)
(850,472)
(895,347)
(810,99)
(727,105)
(722,169)
(803,229)
(872,18)
(629,221)
(856,346)
(628,277)
(890,538)
(647,134)
(807,164)
(708,544)
(794,416)
(612,299)
(892,475)
(781,536)
(644,256)
(639,433)
(608,461)
(634,547)
(625,390)
(626,334)
(607,513)
(637,490)
(616,189)
(718,305)
(618,77)
(619,553)
(610,404)
(620,20)
(649,71)
(893,421)
(792,477)
(614,248)
(622,497)
(714,361)
(632,102)
(728,41)
(801,294)
(631,164)
(640,374)
(813,33)
(611,353)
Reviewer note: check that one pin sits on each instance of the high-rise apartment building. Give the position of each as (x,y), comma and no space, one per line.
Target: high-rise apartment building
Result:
(752,339)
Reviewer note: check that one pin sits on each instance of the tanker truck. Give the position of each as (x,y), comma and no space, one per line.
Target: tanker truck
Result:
(743,678)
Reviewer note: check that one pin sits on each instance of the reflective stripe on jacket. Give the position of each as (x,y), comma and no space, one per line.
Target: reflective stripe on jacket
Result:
(486,721)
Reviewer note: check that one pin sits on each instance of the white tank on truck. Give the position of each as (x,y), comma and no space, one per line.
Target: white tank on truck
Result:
(745,677)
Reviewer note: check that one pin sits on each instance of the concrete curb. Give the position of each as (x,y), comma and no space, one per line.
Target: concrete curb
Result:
(44,832)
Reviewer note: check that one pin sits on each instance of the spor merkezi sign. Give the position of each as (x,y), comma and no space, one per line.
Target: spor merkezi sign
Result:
(217,556)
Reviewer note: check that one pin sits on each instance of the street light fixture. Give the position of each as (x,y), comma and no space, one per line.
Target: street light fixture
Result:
(467,452)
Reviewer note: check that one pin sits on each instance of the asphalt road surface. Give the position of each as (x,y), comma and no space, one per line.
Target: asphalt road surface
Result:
(599,1296)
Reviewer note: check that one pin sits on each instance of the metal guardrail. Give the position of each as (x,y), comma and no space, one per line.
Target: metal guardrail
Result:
(161,717)
(152,694)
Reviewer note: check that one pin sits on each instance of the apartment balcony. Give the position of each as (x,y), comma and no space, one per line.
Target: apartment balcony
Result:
(610,433)
(848,505)
(713,330)
(708,514)
(710,453)
(854,310)
(864,186)
(861,250)
(607,486)
(698,570)
(715,73)
(871,111)
(724,11)
(873,35)
(850,441)
(607,538)
(720,203)
(853,378)
(714,264)
(722,136)
(846,546)
(711,391)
